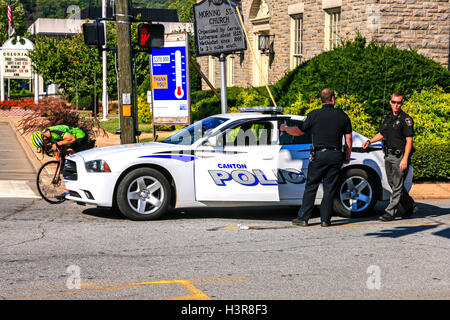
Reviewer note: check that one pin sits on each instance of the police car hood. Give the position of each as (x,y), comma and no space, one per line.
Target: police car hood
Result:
(135,148)
(359,139)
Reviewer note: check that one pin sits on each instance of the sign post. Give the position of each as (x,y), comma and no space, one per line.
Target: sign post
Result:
(218,32)
(223,82)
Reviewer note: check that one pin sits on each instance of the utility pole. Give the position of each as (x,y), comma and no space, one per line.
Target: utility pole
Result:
(126,110)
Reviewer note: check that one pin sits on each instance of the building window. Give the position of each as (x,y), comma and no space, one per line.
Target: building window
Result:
(296,40)
(212,71)
(332,28)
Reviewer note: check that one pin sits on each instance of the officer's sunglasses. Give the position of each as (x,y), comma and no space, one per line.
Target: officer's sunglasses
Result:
(396,102)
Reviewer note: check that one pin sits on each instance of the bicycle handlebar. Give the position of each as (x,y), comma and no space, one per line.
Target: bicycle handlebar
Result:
(49,151)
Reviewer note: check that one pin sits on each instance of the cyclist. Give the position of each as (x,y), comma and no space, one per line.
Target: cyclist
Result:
(61,135)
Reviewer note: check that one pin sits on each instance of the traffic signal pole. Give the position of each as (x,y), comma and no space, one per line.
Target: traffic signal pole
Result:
(104,69)
(126,110)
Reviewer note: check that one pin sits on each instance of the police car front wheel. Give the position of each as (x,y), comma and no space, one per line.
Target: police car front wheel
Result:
(143,194)
(356,194)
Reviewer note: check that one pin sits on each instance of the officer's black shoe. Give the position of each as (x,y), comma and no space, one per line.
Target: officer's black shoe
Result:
(299,222)
(325,224)
(408,214)
(386,217)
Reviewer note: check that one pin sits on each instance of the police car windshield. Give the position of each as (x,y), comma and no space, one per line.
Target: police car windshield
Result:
(195,131)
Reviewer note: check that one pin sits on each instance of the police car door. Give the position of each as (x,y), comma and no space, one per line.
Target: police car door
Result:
(293,162)
(240,165)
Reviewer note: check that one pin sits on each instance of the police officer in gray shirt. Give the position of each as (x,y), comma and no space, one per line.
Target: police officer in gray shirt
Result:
(397,128)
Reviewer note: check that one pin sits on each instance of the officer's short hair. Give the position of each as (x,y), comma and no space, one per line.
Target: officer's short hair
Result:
(397,94)
(326,95)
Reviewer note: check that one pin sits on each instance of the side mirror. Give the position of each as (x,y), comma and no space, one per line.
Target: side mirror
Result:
(211,142)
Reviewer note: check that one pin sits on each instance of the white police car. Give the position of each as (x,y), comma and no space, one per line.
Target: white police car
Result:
(233,159)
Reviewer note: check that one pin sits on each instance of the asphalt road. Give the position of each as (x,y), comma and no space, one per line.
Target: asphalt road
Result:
(65,251)
(71,252)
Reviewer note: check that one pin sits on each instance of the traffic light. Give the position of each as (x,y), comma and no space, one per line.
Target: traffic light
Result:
(94,34)
(151,36)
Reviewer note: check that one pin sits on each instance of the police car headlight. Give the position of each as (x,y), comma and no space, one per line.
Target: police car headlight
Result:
(97,166)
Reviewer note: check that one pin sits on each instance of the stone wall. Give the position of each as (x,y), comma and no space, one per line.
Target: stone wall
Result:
(423,25)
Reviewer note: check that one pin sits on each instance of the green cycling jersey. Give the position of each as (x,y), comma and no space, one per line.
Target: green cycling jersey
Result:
(58,132)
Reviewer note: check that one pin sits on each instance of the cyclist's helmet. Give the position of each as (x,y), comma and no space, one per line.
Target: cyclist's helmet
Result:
(37,140)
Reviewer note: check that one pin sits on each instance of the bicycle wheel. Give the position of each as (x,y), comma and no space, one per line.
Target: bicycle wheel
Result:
(51,187)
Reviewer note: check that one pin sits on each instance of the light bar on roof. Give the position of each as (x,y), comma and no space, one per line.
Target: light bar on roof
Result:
(261,109)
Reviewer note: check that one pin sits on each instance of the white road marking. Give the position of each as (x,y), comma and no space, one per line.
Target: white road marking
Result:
(16,189)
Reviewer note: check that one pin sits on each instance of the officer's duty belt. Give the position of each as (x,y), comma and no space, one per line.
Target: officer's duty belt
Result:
(332,149)
(395,152)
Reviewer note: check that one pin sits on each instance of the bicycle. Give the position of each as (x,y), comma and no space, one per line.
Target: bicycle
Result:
(50,180)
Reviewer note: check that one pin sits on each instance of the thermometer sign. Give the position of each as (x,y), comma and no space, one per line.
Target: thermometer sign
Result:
(179,93)
(169,67)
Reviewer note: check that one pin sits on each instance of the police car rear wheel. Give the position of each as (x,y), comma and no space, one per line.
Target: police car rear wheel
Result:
(143,194)
(356,194)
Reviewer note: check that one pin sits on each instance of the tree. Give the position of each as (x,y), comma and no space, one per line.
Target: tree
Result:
(18,14)
(186,14)
(157,4)
(67,62)
(184,9)
(71,64)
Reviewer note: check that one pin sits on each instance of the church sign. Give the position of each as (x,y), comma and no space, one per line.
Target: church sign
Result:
(217,28)
(16,64)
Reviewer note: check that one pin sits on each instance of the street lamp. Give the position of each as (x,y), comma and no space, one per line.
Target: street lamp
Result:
(265,42)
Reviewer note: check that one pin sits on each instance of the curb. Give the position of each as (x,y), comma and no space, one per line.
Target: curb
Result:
(423,191)
(32,158)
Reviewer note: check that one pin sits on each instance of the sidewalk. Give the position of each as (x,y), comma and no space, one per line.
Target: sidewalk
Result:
(419,191)
(422,191)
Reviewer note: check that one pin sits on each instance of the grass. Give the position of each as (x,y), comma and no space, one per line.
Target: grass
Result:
(112,125)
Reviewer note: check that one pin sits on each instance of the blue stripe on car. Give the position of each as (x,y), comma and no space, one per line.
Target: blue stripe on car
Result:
(172,156)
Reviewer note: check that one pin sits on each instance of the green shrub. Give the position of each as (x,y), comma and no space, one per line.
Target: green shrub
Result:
(205,103)
(251,98)
(84,102)
(205,108)
(144,112)
(431,161)
(359,69)
(356,110)
(54,111)
(430,110)
(301,106)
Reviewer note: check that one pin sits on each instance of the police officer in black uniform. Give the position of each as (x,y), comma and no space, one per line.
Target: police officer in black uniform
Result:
(328,125)
(397,128)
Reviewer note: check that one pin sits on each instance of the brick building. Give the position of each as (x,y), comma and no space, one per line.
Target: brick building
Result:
(298,30)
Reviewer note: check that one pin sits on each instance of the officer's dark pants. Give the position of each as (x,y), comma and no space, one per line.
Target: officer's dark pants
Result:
(396,179)
(324,167)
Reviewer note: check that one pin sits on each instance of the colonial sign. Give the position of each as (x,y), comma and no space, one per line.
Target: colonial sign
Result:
(16,64)
(217,27)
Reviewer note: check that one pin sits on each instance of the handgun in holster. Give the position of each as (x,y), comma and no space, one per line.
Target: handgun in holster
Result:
(384,147)
(312,154)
